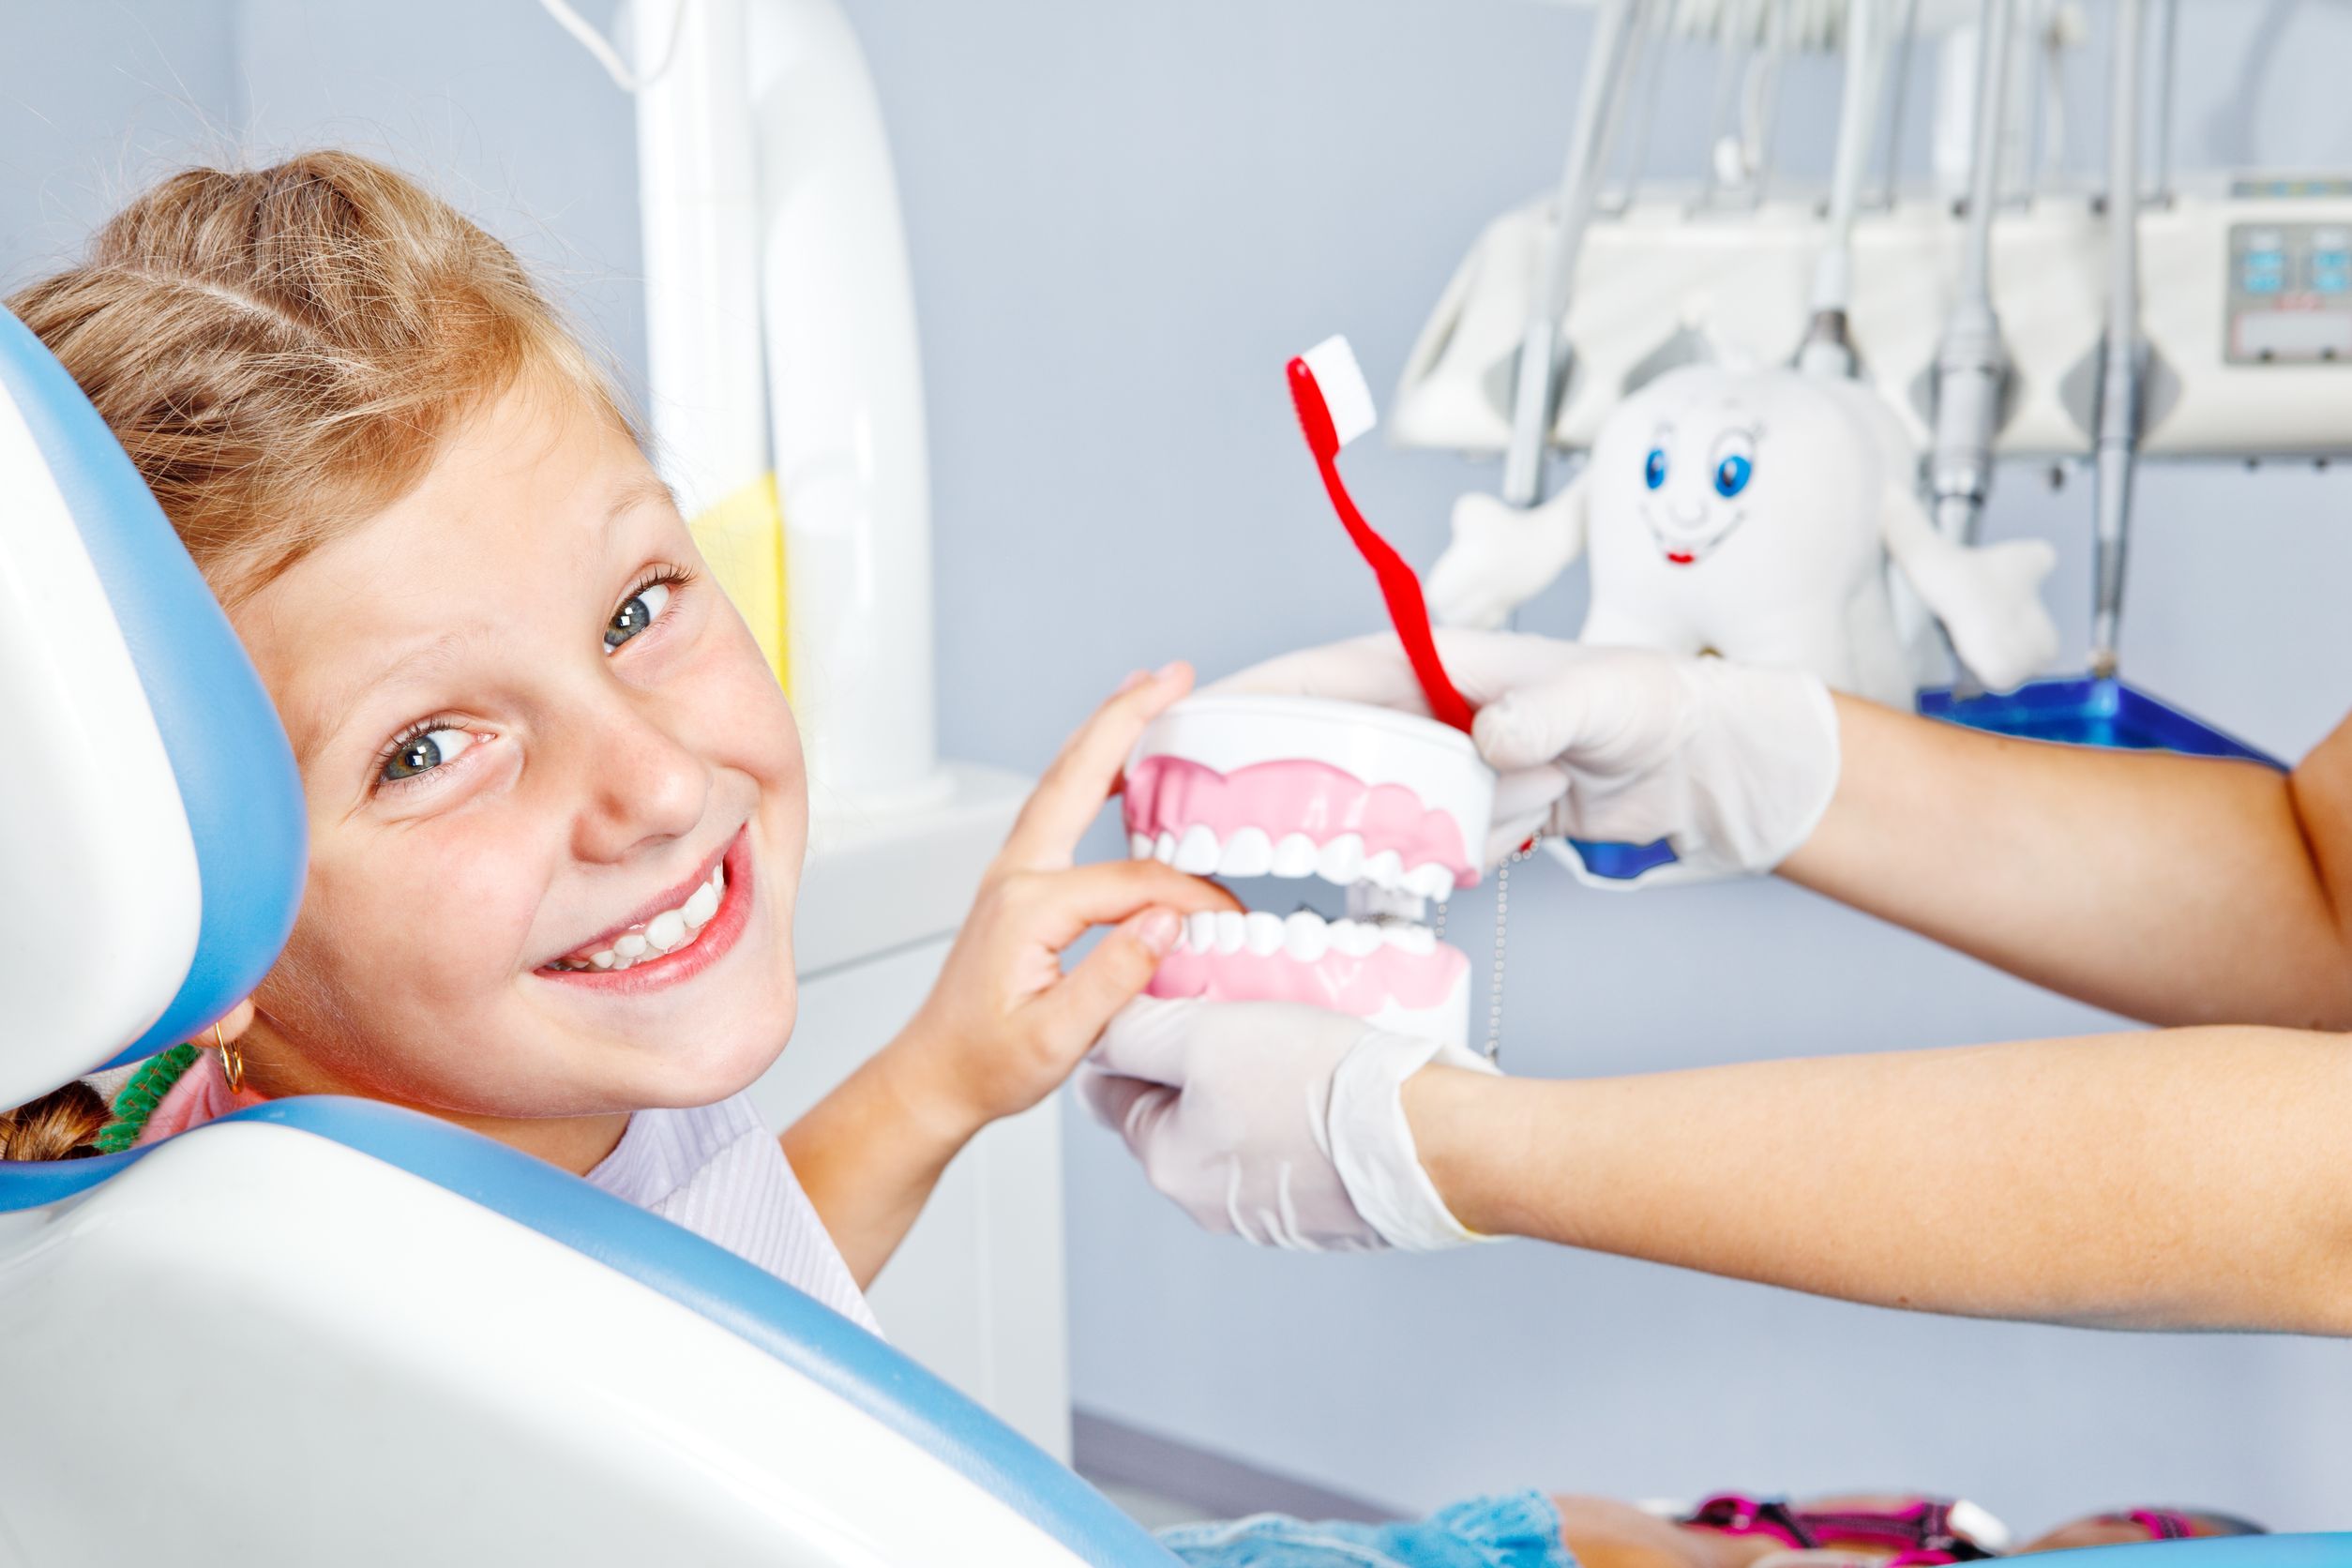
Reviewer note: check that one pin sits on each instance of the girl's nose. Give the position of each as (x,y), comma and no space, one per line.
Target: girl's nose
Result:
(643,785)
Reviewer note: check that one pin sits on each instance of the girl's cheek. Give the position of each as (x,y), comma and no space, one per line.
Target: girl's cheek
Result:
(739,706)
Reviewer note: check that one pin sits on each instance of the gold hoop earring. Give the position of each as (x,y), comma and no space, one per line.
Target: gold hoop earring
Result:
(232,1060)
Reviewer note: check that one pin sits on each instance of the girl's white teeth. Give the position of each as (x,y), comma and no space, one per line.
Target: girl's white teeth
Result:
(664,933)
(666,930)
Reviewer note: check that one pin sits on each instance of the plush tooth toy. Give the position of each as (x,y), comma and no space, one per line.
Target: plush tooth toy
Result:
(1755,514)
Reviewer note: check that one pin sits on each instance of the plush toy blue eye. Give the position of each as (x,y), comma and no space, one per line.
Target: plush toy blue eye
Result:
(1653,470)
(1731,474)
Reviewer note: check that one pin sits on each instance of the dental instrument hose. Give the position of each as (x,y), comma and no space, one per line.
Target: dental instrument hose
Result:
(1532,403)
(1829,348)
(1971,366)
(2118,379)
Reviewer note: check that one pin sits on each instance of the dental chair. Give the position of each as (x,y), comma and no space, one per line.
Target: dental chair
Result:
(330,1331)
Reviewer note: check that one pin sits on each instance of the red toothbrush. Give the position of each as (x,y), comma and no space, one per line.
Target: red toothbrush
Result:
(1334,404)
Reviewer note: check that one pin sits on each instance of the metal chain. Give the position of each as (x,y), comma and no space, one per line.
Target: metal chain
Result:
(1503,932)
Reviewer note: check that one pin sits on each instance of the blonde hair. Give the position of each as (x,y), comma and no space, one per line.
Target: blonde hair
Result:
(281,352)
(62,1124)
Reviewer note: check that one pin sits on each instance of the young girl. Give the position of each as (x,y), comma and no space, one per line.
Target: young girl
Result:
(556,810)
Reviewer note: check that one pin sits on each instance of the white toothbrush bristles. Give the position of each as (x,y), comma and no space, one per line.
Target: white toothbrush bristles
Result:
(1345,393)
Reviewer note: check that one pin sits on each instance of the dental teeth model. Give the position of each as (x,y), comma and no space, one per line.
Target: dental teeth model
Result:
(665,933)
(1392,808)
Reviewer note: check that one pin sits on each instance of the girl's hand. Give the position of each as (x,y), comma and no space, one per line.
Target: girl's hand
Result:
(1005,1025)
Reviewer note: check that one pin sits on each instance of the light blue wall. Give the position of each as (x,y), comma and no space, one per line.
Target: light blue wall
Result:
(1124,217)
(86,90)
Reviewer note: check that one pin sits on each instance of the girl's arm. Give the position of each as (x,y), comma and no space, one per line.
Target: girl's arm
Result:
(2193,1178)
(869,1154)
(2173,889)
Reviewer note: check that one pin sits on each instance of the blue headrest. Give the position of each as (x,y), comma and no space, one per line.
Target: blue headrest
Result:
(234,772)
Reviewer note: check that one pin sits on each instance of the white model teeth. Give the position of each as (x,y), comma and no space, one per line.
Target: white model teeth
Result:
(1200,932)
(666,932)
(1262,933)
(1341,860)
(1294,856)
(1252,852)
(1432,880)
(1232,930)
(1249,854)
(1198,852)
(1305,936)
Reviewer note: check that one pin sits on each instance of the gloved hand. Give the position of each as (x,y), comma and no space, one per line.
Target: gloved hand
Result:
(1732,764)
(1274,1122)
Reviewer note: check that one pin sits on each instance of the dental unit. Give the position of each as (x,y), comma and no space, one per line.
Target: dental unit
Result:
(1995,312)
(2120,371)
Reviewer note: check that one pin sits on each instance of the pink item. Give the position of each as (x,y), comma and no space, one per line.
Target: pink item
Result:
(1169,794)
(200,1095)
(1925,1533)
(1383,977)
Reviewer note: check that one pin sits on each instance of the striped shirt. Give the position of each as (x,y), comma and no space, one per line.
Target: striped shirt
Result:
(720,1174)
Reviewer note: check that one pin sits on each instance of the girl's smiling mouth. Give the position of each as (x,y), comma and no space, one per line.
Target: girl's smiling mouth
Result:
(682,934)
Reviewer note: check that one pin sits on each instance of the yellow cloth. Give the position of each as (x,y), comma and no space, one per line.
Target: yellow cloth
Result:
(742,540)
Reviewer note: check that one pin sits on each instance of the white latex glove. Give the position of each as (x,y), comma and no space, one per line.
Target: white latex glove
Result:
(1275,1122)
(1731,764)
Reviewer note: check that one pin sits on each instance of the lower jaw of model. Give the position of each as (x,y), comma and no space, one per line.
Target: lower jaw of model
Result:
(1390,807)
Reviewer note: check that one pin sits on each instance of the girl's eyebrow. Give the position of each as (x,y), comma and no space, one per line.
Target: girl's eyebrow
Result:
(641,491)
(322,716)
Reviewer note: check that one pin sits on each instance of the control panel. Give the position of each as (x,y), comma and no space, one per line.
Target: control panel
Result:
(2291,293)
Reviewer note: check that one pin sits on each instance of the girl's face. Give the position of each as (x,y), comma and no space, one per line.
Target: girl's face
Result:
(538,747)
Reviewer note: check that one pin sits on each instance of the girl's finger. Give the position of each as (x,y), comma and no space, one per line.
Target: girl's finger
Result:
(1076,1007)
(1078,781)
(1069,903)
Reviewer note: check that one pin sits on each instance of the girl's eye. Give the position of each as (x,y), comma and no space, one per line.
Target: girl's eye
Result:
(1653,470)
(638,611)
(423,753)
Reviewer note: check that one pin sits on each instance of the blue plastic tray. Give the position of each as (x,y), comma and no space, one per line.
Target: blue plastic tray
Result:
(2083,711)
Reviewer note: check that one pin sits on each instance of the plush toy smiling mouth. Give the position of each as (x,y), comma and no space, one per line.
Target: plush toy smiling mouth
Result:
(1388,805)
(1683,546)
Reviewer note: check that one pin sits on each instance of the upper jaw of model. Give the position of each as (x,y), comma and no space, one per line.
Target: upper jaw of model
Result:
(1391,807)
